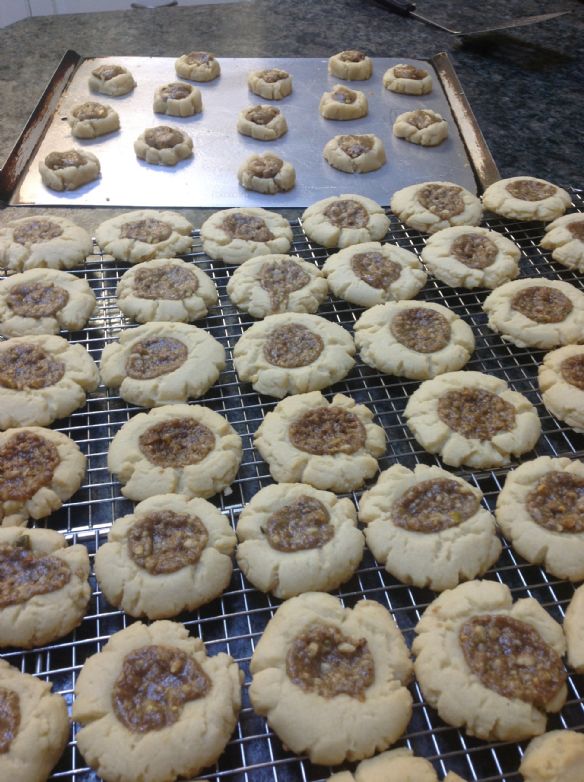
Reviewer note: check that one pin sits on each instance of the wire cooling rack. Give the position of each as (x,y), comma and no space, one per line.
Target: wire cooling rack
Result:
(235,622)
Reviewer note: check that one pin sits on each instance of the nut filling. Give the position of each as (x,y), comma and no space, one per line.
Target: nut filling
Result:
(302,524)
(354,146)
(24,574)
(343,95)
(262,115)
(57,160)
(27,463)
(156,356)
(165,282)
(527,190)
(177,443)
(90,110)
(409,72)
(150,231)
(347,213)
(433,506)
(375,269)
(163,137)
(421,119)
(37,299)
(247,227)
(542,304)
(557,502)
(577,229)
(326,431)
(107,72)
(26,365)
(199,58)
(444,201)
(292,346)
(265,167)
(475,413)
(572,370)
(273,75)
(9,718)
(511,658)
(420,329)
(324,660)
(281,279)
(36,231)
(476,252)
(177,90)
(352,55)
(154,685)
(165,541)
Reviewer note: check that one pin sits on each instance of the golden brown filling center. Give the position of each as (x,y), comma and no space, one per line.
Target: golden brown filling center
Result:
(9,718)
(262,115)
(343,95)
(572,370)
(301,525)
(527,190)
(511,658)
(542,304)
(199,58)
(476,252)
(354,146)
(177,443)
(248,227)
(324,660)
(266,166)
(409,72)
(37,299)
(281,279)
(24,574)
(163,137)
(421,119)
(165,541)
(155,356)
(177,90)
(58,160)
(434,505)
(150,231)
(90,110)
(352,55)
(347,213)
(26,365)
(421,329)
(557,502)
(36,231)
(27,463)
(154,685)
(326,431)
(165,282)
(577,229)
(107,72)
(444,201)
(375,269)
(273,75)
(292,345)
(475,413)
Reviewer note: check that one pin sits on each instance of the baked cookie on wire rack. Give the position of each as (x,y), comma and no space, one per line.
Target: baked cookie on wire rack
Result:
(557,756)
(526,198)
(574,630)
(565,238)
(236,235)
(340,221)
(145,234)
(432,206)
(43,241)
(561,382)
(397,765)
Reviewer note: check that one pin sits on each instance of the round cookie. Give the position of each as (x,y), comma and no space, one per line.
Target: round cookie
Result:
(111,79)
(355,154)
(178,99)
(565,237)
(162,363)
(407,79)
(340,221)
(44,589)
(92,119)
(421,126)
(432,206)
(292,353)
(175,449)
(145,234)
(294,539)
(474,640)
(557,756)
(35,726)
(541,512)
(170,555)
(266,173)
(152,705)
(372,273)
(197,66)
(273,83)
(235,235)
(526,198)
(43,241)
(574,630)
(561,382)
(417,340)
(42,378)
(331,681)
(262,122)
(471,257)
(277,283)
(397,765)
(473,419)
(69,170)
(163,145)
(165,289)
(351,65)
(329,445)
(43,301)
(343,103)
(427,527)
(40,469)
(536,312)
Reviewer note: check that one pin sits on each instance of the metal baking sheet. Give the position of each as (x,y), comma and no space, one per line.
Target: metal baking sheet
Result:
(209,179)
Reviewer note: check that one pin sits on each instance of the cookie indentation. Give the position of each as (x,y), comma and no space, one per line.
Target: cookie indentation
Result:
(542,304)
(434,505)
(281,279)
(444,201)
(247,227)
(165,282)
(37,299)
(529,190)
(199,58)
(150,358)
(326,431)
(352,55)
(262,115)
(577,229)
(409,72)
(347,213)
(557,502)
(273,75)
(150,231)
(36,231)
(24,574)
(107,72)
(476,252)
(343,95)
(421,329)
(27,463)
(375,269)
(177,90)
(58,160)
(292,345)
(165,541)
(572,370)
(26,365)
(177,443)
(163,137)
(266,167)
(9,718)
(476,413)
(90,110)
(421,119)
(354,146)
(301,525)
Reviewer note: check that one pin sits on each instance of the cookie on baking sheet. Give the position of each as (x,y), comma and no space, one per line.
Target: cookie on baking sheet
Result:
(235,235)
(536,312)
(565,237)
(266,173)
(111,79)
(432,206)
(407,79)
(294,539)
(152,705)
(43,377)
(162,363)
(340,221)
(372,273)
(43,301)
(397,765)
(165,289)
(197,66)
(178,99)
(330,680)
(343,103)
(43,241)
(262,122)
(92,119)
(273,83)
(175,449)
(473,419)
(526,198)
(471,257)
(35,726)
(170,555)
(427,527)
(44,589)
(39,470)
(413,339)
(421,126)
(351,65)
(561,382)
(145,234)
(69,169)
(504,656)
(330,445)
(557,756)
(163,145)
(292,353)
(574,630)
(277,283)
(355,154)
(540,510)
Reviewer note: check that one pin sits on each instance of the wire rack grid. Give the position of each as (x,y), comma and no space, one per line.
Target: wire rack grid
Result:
(235,622)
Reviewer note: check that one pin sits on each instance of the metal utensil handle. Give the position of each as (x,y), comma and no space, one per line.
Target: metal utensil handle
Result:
(401,7)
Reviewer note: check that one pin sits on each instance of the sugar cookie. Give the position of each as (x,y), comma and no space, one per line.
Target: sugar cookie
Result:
(266,173)
(565,237)
(557,756)
(351,65)
(561,382)
(111,79)
(343,103)
(421,126)
(235,235)
(407,79)
(163,145)
(43,241)
(178,99)
(340,221)
(397,765)
(262,122)
(273,83)
(145,234)
(197,66)
(69,169)
(431,206)
(355,154)
(92,119)
(526,198)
